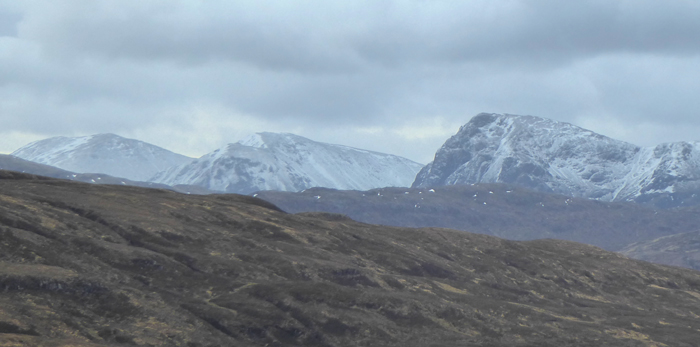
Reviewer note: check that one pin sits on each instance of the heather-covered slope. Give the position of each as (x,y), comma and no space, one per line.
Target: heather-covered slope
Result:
(104,153)
(558,157)
(87,265)
(287,162)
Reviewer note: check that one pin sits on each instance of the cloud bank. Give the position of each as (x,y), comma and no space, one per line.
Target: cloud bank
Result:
(392,76)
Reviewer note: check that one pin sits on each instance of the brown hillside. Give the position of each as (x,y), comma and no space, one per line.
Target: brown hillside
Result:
(86,265)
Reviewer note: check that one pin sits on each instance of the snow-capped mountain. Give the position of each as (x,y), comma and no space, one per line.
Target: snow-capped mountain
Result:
(104,153)
(287,162)
(559,157)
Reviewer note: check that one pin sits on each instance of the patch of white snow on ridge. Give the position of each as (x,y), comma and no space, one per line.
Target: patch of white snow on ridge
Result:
(39,151)
(254,140)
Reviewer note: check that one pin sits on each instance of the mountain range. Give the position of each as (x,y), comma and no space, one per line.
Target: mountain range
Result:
(511,212)
(552,156)
(287,162)
(527,151)
(110,265)
(263,161)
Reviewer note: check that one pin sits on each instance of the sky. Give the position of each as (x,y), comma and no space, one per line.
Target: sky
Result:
(398,77)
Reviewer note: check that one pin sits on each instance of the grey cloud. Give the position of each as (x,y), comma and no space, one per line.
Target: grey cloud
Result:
(8,23)
(540,33)
(249,32)
(98,66)
(10,16)
(666,90)
(341,38)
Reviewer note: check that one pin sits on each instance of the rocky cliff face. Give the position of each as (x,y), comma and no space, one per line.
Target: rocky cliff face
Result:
(286,162)
(553,156)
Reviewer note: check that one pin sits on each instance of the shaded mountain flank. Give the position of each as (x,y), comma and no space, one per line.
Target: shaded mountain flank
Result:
(501,210)
(678,250)
(92,265)
(12,163)
(552,156)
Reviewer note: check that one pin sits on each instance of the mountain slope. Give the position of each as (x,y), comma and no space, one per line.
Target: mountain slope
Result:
(88,265)
(678,250)
(269,161)
(104,153)
(510,212)
(12,163)
(552,156)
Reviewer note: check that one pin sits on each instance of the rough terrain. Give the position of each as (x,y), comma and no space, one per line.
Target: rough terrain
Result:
(88,265)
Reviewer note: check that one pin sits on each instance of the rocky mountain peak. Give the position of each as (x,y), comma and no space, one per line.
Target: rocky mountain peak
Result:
(553,156)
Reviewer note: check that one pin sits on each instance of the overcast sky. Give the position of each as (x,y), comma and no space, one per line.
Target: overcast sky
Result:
(392,76)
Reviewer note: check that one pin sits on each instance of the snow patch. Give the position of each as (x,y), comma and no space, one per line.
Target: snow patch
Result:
(254,140)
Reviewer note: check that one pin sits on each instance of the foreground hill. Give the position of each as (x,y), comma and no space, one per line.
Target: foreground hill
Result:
(287,162)
(552,156)
(88,265)
(103,153)
(509,212)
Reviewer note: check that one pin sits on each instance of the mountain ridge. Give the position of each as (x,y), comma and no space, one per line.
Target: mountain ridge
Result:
(288,162)
(559,157)
(102,153)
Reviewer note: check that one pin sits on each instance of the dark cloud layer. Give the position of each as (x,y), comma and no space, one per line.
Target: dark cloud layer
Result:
(365,73)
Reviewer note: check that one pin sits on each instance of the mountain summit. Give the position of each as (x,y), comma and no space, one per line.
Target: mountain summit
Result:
(103,153)
(287,162)
(553,156)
